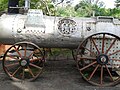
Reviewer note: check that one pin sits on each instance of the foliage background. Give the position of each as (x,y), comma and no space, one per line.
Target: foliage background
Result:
(85,8)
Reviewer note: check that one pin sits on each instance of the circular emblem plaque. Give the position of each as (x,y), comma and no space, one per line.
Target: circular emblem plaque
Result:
(67,26)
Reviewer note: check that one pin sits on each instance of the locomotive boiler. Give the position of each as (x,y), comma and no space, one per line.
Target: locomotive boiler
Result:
(96,40)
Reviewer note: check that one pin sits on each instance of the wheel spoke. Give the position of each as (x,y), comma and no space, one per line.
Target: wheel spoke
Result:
(93,72)
(95,45)
(18,47)
(23,74)
(109,73)
(87,58)
(110,46)
(31,54)
(35,66)
(10,56)
(16,71)
(35,59)
(89,50)
(30,71)
(103,41)
(114,59)
(117,61)
(114,52)
(88,65)
(10,65)
(25,50)
(101,76)
(17,51)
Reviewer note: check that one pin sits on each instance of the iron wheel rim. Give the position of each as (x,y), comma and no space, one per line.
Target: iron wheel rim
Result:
(102,66)
(32,70)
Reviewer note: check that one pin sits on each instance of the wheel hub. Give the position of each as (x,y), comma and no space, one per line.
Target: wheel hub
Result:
(24,62)
(102,59)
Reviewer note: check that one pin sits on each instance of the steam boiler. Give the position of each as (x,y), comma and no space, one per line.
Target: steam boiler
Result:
(96,40)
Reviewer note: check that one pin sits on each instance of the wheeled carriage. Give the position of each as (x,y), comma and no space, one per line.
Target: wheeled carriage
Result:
(96,42)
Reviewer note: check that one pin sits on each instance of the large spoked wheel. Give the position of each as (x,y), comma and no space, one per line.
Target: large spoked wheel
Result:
(23,61)
(98,59)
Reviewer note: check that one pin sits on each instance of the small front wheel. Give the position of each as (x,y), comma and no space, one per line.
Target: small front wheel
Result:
(23,61)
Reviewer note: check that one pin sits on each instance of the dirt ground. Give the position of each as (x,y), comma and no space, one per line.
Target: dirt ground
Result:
(57,75)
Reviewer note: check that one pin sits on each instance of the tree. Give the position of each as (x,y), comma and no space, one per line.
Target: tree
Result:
(46,6)
(3,5)
(67,11)
(88,7)
(84,8)
(117,3)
